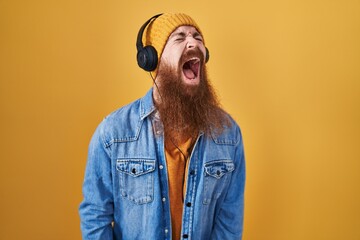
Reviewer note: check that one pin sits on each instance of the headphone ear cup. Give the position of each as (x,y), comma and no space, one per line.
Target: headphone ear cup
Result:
(207,55)
(147,58)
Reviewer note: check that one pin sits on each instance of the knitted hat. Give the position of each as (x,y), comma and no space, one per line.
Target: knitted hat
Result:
(159,30)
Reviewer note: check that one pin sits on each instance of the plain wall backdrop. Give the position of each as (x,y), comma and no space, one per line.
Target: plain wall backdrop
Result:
(287,71)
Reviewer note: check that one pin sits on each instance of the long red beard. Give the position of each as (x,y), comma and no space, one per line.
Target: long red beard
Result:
(186,110)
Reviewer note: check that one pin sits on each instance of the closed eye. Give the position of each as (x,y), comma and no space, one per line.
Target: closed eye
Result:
(181,36)
(198,37)
(179,39)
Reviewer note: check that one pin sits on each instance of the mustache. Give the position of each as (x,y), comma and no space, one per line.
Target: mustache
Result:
(191,53)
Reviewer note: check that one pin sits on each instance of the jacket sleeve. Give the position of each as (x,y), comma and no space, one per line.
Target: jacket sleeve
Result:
(96,209)
(229,221)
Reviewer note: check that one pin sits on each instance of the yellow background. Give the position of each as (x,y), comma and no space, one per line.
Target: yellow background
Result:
(287,71)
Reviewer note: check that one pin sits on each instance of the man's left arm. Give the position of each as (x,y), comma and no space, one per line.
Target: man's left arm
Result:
(229,221)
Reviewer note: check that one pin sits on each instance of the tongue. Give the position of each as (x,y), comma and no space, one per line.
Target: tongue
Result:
(191,69)
(195,67)
(188,72)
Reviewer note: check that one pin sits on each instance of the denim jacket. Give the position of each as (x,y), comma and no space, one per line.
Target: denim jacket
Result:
(125,187)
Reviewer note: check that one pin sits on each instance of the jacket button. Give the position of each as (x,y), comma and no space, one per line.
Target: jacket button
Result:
(185,236)
(192,172)
(133,170)
(188,204)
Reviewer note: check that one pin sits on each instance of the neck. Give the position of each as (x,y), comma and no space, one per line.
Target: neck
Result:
(156,95)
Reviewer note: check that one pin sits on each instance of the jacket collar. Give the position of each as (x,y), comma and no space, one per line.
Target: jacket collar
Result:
(147,105)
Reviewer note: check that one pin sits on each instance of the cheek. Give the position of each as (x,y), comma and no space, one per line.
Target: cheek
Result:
(175,57)
(202,48)
(171,55)
(171,59)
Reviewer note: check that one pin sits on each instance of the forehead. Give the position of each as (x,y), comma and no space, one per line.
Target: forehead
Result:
(186,30)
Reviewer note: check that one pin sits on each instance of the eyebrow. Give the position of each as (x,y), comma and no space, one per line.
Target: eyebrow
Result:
(183,34)
(178,34)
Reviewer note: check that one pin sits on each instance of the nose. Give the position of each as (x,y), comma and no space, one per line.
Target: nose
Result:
(191,42)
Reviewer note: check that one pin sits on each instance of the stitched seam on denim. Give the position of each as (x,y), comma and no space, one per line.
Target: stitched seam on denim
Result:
(144,159)
(144,114)
(232,142)
(150,162)
(105,144)
(225,195)
(223,178)
(195,186)
(148,197)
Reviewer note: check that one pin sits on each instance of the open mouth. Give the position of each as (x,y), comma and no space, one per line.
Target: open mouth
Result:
(191,68)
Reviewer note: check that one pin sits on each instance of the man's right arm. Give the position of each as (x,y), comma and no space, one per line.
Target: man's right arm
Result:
(96,209)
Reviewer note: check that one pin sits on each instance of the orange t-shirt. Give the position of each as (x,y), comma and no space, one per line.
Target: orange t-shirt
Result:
(177,173)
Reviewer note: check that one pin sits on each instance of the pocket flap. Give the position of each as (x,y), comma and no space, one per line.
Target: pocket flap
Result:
(135,167)
(218,168)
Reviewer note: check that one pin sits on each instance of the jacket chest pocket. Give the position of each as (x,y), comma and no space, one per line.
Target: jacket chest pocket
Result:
(216,176)
(136,179)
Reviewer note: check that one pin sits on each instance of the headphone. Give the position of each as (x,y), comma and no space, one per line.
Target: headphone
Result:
(147,58)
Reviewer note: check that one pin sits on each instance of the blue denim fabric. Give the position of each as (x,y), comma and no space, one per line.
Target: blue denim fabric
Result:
(126,186)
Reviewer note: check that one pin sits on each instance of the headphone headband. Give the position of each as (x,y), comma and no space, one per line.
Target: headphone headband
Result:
(139,44)
(147,58)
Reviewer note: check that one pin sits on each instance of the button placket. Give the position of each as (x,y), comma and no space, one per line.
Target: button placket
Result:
(190,193)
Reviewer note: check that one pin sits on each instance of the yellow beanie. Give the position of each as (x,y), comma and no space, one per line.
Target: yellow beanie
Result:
(159,30)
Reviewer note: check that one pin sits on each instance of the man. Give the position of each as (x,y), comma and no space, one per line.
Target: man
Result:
(171,164)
